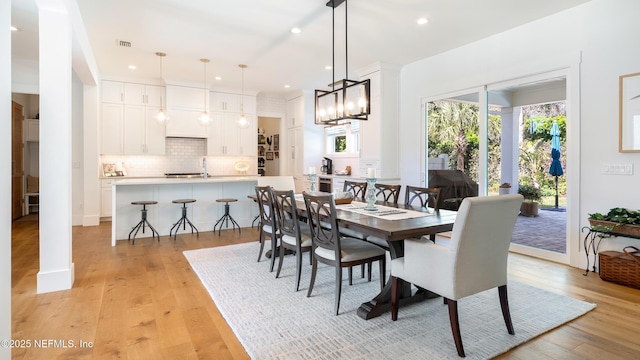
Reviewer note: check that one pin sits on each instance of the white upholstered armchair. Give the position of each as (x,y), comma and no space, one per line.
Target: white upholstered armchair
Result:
(474,260)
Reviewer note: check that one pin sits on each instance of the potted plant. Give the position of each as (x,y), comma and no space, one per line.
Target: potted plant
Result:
(504,188)
(531,196)
(619,221)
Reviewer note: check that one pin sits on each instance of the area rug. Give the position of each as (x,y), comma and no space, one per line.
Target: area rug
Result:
(272,321)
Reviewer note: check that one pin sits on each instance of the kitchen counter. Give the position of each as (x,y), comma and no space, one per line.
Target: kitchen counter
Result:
(203,213)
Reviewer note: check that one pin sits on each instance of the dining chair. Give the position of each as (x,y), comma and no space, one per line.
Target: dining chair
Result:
(388,193)
(268,224)
(292,234)
(473,261)
(427,197)
(333,249)
(359,189)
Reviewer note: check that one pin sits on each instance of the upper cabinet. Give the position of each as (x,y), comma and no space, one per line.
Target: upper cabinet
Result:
(184,105)
(128,127)
(225,137)
(295,112)
(304,141)
(32,132)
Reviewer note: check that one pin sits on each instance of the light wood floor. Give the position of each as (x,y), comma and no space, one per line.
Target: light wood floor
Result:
(143,301)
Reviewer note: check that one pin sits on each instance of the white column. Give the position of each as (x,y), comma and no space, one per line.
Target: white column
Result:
(56,269)
(5,181)
(509,151)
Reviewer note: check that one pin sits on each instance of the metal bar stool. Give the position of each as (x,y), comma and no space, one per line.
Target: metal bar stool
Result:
(226,217)
(143,222)
(183,220)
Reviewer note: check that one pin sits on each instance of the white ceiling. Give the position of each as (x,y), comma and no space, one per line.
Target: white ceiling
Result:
(257,33)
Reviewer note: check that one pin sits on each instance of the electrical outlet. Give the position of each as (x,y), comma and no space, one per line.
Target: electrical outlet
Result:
(617,169)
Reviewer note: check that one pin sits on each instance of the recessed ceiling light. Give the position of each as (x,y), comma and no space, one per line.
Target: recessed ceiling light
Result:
(422,21)
(328,67)
(296,30)
(132,67)
(287,86)
(13,28)
(218,78)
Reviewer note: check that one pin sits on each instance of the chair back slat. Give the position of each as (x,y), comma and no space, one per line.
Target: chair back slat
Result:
(286,212)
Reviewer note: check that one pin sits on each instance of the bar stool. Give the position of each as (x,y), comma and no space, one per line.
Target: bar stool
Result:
(143,222)
(183,220)
(226,217)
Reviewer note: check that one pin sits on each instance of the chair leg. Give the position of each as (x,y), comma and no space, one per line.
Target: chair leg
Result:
(504,304)
(362,271)
(383,272)
(314,268)
(396,286)
(369,270)
(350,275)
(262,241)
(455,326)
(339,286)
(274,244)
(298,268)
(281,256)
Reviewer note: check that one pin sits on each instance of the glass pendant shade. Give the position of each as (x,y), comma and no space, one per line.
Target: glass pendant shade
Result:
(243,122)
(204,119)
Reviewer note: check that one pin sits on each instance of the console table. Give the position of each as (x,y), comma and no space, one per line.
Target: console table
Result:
(592,243)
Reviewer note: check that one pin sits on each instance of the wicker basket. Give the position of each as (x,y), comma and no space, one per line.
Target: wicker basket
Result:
(343,201)
(618,228)
(621,267)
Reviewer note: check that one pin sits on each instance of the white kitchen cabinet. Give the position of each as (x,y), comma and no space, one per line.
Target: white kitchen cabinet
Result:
(296,112)
(305,141)
(105,197)
(226,138)
(184,106)
(142,134)
(32,132)
(230,102)
(112,129)
(128,127)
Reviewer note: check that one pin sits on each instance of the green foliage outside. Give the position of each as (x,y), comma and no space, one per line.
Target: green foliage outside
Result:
(340,143)
(453,129)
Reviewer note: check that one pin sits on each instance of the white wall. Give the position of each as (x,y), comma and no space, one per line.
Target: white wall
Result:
(598,36)
(5,181)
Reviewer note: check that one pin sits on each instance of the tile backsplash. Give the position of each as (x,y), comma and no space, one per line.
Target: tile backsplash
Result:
(181,155)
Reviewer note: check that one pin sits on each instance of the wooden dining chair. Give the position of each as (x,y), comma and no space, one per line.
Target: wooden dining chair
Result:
(427,197)
(358,189)
(268,224)
(333,249)
(292,234)
(475,260)
(388,193)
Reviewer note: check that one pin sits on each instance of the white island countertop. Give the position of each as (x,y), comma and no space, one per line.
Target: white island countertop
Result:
(196,180)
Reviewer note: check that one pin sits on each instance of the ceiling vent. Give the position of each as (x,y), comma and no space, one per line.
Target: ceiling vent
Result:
(123,43)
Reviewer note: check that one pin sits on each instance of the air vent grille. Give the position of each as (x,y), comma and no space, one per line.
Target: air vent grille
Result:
(123,43)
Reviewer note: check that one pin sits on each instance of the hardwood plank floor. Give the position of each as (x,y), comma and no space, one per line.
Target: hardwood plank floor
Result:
(143,301)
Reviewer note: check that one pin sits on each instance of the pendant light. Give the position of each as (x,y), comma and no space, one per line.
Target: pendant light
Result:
(161,115)
(347,99)
(243,123)
(204,118)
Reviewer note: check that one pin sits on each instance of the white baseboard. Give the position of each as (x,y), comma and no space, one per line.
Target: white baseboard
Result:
(55,280)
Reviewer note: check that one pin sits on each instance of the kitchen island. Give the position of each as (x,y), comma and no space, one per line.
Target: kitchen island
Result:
(203,213)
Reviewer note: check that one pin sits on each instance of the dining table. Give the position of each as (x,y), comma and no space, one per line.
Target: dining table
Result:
(393,223)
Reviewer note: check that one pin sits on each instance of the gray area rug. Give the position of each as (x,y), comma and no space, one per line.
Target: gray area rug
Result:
(272,321)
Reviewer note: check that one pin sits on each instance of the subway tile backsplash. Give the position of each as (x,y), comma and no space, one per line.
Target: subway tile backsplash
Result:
(181,155)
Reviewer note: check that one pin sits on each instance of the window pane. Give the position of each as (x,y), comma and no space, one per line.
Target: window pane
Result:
(340,143)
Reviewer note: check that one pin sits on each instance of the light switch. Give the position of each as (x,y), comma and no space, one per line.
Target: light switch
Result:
(617,169)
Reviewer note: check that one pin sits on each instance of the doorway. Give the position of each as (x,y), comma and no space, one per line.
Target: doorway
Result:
(269,143)
(501,106)
(17,164)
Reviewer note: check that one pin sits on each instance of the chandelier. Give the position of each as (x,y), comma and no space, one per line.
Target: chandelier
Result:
(347,99)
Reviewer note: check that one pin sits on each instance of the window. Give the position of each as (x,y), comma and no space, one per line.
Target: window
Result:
(343,139)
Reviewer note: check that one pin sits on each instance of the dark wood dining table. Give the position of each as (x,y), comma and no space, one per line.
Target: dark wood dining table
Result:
(394,232)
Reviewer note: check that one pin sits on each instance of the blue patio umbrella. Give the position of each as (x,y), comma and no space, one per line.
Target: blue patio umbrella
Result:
(556,166)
